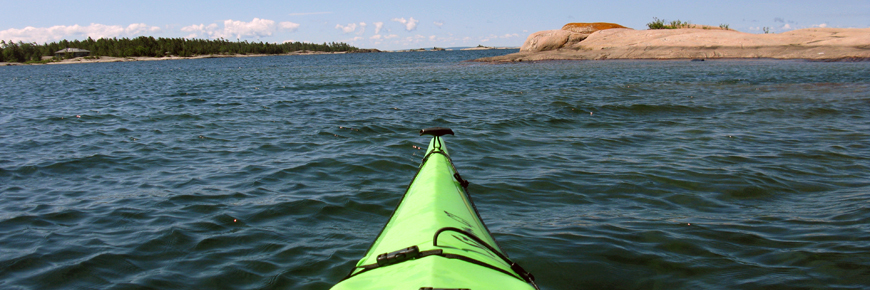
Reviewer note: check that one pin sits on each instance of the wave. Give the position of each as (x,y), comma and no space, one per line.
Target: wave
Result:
(278,172)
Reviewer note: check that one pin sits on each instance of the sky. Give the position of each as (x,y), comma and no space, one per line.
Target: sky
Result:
(397,25)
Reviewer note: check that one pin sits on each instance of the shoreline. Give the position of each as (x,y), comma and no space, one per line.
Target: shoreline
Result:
(108,59)
(629,54)
(815,44)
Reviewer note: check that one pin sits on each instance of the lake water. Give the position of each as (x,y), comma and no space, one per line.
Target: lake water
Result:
(278,172)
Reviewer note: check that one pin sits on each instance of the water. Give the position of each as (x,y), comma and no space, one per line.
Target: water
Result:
(278,172)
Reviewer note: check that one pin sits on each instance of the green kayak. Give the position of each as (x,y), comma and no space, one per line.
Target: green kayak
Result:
(435,238)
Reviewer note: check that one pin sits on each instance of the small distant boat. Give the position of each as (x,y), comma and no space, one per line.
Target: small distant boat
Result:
(435,238)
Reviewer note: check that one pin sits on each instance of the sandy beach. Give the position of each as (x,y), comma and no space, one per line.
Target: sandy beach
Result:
(827,44)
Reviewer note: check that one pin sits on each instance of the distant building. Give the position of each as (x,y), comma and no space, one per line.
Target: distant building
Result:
(75,52)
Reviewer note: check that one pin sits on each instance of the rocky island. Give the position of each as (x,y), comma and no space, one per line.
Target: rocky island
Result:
(598,41)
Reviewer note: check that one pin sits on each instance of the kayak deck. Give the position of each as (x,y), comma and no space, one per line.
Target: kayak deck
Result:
(435,238)
(435,272)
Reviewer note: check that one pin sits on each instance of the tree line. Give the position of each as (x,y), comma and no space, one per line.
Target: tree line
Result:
(159,47)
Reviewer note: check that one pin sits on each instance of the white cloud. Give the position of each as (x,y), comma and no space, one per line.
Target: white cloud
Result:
(140,28)
(351,27)
(431,37)
(381,37)
(286,25)
(202,28)
(410,24)
(378,26)
(439,24)
(257,27)
(240,29)
(58,32)
(346,28)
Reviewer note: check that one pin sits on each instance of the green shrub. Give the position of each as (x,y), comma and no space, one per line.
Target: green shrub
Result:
(656,24)
(660,24)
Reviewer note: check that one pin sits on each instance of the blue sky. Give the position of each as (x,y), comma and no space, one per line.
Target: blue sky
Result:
(393,25)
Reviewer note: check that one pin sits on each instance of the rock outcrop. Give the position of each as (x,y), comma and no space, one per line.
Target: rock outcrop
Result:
(366,50)
(828,44)
(550,40)
(568,36)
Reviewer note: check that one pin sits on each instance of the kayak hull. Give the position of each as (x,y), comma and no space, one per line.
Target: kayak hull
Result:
(436,238)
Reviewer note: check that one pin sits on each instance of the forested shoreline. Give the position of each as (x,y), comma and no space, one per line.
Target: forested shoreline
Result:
(158,47)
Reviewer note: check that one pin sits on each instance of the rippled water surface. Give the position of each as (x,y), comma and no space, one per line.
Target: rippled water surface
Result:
(278,172)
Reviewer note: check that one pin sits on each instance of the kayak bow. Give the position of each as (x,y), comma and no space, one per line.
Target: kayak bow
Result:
(435,238)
